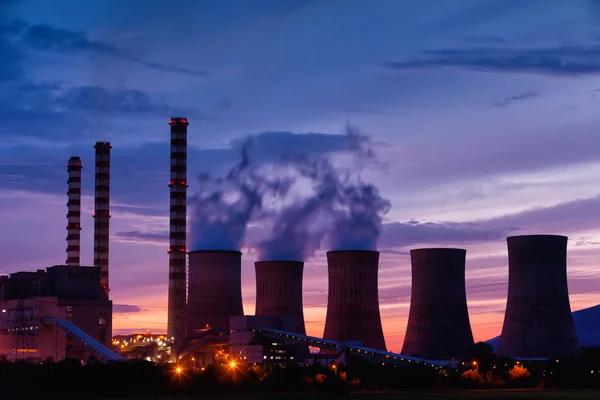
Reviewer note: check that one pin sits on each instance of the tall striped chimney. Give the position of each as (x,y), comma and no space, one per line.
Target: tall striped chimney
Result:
(102,211)
(177,237)
(74,167)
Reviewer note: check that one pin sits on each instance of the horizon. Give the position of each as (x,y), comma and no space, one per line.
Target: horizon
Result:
(483,124)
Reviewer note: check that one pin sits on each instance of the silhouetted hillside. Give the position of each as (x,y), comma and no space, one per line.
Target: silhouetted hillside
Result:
(587,324)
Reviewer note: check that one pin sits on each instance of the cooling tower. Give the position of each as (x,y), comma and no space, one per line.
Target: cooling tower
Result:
(215,289)
(353,300)
(176,324)
(438,322)
(538,320)
(102,211)
(74,212)
(279,290)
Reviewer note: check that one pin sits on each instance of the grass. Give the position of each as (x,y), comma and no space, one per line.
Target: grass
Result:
(432,395)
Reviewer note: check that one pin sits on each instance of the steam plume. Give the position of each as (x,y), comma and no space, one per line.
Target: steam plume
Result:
(357,218)
(298,229)
(223,207)
(346,210)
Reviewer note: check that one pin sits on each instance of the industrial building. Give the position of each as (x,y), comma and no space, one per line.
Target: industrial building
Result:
(279,290)
(215,289)
(176,318)
(73,294)
(245,344)
(353,298)
(538,320)
(438,323)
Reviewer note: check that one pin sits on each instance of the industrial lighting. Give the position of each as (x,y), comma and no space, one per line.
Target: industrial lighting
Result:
(178,370)
(232,364)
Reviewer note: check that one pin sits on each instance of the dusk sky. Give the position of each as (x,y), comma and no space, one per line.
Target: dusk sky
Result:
(483,115)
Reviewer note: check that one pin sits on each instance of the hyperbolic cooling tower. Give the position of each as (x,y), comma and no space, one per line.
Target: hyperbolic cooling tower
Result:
(102,211)
(438,323)
(74,212)
(538,320)
(279,290)
(215,289)
(353,300)
(176,324)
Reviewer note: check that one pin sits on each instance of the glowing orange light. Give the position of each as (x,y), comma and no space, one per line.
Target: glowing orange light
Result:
(178,370)
(232,364)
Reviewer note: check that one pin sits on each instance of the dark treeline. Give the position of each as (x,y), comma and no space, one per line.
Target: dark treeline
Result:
(480,369)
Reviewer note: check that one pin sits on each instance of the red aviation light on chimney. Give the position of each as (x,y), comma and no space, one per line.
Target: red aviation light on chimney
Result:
(178,121)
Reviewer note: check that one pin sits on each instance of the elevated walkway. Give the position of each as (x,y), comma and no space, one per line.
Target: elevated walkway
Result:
(350,348)
(78,334)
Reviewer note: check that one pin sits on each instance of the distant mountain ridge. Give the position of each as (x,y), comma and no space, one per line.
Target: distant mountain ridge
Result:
(587,325)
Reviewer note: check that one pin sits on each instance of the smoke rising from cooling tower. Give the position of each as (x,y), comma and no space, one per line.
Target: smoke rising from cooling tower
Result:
(223,207)
(339,206)
(357,219)
(339,202)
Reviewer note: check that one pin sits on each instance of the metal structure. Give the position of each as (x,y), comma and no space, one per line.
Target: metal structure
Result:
(349,348)
(88,341)
(178,185)
(20,332)
(538,320)
(438,322)
(353,300)
(74,167)
(102,211)
(279,290)
(215,289)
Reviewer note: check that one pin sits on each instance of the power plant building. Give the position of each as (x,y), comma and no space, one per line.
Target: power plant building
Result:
(215,289)
(102,211)
(538,322)
(438,323)
(353,299)
(77,294)
(279,290)
(176,319)
(74,167)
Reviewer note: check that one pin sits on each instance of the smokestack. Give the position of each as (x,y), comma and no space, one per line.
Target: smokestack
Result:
(74,167)
(215,289)
(353,300)
(279,290)
(438,323)
(538,320)
(177,236)
(102,211)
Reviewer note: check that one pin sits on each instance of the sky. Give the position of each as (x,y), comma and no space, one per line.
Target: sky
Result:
(482,113)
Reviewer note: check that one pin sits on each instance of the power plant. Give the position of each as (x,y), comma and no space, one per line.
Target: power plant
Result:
(102,211)
(74,167)
(215,289)
(279,290)
(205,308)
(353,298)
(438,323)
(538,320)
(176,319)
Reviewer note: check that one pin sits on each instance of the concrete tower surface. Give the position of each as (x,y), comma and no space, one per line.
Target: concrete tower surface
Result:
(279,290)
(74,167)
(177,236)
(538,320)
(215,289)
(353,299)
(438,322)
(102,211)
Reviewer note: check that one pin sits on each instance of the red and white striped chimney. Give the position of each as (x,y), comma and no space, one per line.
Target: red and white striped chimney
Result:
(177,238)
(102,210)
(74,167)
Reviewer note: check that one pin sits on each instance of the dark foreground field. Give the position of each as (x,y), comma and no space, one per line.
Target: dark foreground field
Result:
(433,395)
